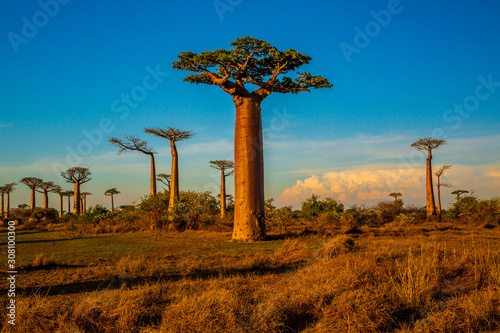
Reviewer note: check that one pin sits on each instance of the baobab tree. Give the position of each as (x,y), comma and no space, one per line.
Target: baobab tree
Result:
(58,189)
(8,188)
(83,198)
(165,179)
(111,192)
(68,194)
(458,193)
(45,188)
(438,174)
(32,183)
(251,62)
(429,144)
(77,176)
(2,194)
(172,135)
(396,195)
(223,166)
(133,143)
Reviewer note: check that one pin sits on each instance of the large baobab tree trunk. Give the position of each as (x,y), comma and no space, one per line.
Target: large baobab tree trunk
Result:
(7,206)
(32,206)
(76,202)
(249,171)
(431,206)
(60,205)
(45,200)
(153,176)
(112,205)
(69,203)
(223,194)
(174,177)
(1,207)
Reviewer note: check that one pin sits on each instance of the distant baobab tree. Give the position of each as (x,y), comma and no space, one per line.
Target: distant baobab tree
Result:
(458,193)
(256,63)
(32,183)
(59,190)
(2,194)
(45,188)
(429,144)
(172,135)
(223,166)
(438,174)
(396,195)
(68,194)
(133,143)
(8,188)
(165,179)
(83,196)
(77,176)
(112,192)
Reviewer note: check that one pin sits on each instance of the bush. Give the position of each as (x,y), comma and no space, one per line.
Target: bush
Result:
(155,208)
(278,218)
(96,214)
(313,207)
(195,210)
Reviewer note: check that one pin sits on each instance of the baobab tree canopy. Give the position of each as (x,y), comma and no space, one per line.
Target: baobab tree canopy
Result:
(170,133)
(31,182)
(222,165)
(250,61)
(428,144)
(131,142)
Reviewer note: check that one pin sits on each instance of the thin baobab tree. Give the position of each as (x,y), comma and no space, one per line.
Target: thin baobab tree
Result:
(429,144)
(77,176)
(2,194)
(110,193)
(250,63)
(438,174)
(165,179)
(32,183)
(83,196)
(69,194)
(458,193)
(226,169)
(59,190)
(396,195)
(8,188)
(133,143)
(45,188)
(172,135)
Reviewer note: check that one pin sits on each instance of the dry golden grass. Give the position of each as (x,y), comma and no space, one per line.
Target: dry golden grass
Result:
(430,279)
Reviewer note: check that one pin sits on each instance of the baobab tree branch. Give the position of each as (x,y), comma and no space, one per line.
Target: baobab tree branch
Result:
(131,143)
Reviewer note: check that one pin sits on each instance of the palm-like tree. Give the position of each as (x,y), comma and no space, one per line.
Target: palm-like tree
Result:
(8,188)
(396,195)
(111,192)
(172,135)
(58,189)
(429,144)
(165,179)
(133,143)
(32,183)
(458,193)
(77,176)
(438,174)
(45,188)
(223,166)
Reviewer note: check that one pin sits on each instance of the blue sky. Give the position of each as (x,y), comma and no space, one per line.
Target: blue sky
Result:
(413,61)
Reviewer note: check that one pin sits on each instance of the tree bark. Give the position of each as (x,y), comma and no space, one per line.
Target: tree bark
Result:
(76,202)
(7,206)
(45,199)
(431,206)
(249,218)
(1,207)
(32,199)
(174,177)
(153,175)
(223,194)
(60,205)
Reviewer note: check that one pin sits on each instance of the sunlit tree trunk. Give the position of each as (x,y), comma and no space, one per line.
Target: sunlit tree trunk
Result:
(174,180)
(7,206)
(76,202)
(45,200)
(60,205)
(249,171)
(32,206)
(1,207)
(69,203)
(223,194)
(153,176)
(431,206)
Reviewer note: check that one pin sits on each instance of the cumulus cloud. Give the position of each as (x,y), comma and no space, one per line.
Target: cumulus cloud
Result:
(372,183)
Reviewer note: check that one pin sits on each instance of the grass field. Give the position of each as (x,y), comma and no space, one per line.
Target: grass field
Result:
(425,278)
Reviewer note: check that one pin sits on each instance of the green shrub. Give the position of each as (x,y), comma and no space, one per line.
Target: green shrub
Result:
(313,207)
